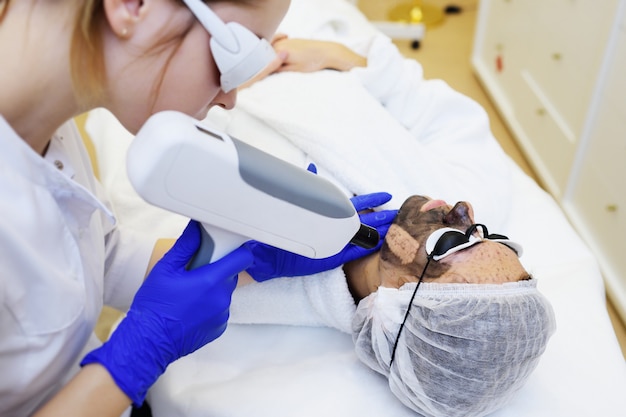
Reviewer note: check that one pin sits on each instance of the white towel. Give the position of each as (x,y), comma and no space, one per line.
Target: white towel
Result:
(322,300)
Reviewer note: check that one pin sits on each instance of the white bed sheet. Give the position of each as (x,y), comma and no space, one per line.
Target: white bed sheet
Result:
(284,370)
(273,370)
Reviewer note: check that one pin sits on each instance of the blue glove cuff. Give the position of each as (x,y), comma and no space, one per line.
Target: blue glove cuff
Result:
(133,370)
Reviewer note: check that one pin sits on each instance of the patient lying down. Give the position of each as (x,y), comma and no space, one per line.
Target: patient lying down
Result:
(447,312)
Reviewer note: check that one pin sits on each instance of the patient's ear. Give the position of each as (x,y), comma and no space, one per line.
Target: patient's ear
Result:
(123,15)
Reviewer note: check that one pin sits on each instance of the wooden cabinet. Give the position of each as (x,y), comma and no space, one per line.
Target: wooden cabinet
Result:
(556,70)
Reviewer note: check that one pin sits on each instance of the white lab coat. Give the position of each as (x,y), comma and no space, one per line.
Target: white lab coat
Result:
(60,260)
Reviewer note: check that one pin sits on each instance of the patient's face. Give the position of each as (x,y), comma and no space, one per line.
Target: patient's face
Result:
(403,257)
(418,217)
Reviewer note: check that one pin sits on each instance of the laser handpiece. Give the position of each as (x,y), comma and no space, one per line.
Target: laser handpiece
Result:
(238,192)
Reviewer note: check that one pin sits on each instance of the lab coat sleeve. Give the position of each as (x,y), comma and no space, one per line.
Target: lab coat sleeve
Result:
(317,300)
(127,256)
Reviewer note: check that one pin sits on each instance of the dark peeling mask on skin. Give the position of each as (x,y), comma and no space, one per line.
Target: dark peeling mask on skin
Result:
(403,256)
(403,247)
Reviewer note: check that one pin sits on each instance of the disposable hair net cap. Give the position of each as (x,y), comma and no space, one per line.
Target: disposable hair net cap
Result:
(465,349)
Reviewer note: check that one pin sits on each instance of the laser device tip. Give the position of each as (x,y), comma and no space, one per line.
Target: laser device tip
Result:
(366,237)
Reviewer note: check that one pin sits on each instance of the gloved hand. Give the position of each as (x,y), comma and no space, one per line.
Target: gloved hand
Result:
(175,312)
(271,262)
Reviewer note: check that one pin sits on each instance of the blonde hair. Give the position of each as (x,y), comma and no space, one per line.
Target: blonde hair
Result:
(86,53)
(86,57)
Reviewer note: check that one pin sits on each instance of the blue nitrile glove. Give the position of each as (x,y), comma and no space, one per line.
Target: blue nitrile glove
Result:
(271,262)
(175,312)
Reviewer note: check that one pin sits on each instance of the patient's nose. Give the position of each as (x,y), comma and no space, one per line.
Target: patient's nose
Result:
(226,100)
(461,214)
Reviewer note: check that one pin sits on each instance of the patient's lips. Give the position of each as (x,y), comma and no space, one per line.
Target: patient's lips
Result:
(431,204)
(461,214)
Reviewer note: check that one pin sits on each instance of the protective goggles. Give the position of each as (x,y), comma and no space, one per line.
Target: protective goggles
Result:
(238,53)
(446,241)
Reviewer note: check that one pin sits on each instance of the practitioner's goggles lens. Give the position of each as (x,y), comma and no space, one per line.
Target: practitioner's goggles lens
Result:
(238,53)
